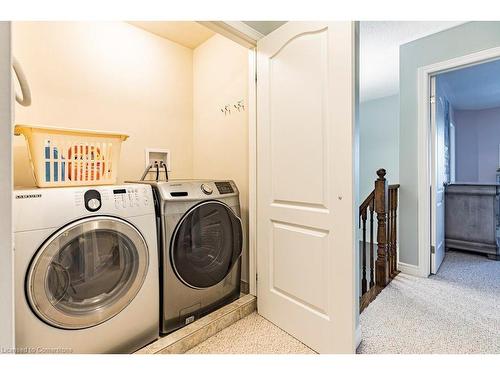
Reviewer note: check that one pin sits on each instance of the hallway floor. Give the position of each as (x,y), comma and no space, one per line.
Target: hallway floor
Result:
(455,311)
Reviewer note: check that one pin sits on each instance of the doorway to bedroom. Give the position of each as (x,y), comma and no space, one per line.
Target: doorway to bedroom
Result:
(465,160)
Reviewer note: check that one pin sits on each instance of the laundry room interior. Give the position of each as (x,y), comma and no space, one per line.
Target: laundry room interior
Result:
(178,90)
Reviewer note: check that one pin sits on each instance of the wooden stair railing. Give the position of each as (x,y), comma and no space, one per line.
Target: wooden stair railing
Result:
(383,201)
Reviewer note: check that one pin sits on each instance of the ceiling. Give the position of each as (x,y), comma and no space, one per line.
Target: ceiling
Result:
(191,34)
(264,27)
(473,88)
(379,46)
(379,52)
(187,33)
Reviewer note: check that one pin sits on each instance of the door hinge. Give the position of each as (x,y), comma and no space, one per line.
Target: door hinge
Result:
(433,99)
(433,250)
(255,77)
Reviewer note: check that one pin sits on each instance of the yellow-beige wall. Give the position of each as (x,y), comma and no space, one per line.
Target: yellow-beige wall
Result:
(220,141)
(113,76)
(107,76)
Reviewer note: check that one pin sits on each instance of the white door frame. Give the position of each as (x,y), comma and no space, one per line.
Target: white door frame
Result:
(425,134)
(252,171)
(237,31)
(7,340)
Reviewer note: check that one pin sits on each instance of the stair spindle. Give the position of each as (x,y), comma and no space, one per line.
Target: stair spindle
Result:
(364,286)
(382,201)
(372,252)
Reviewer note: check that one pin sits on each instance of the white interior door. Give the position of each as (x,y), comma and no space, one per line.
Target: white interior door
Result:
(6,249)
(438,177)
(305,182)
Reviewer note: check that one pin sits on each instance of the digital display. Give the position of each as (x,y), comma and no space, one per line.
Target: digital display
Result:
(119,191)
(224,187)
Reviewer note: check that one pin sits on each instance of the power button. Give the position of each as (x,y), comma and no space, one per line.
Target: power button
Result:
(94,204)
(92,200)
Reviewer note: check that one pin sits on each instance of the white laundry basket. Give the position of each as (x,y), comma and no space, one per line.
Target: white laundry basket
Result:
(72,157)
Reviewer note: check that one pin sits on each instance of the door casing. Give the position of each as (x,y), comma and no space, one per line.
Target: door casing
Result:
(424,142)
(6,231)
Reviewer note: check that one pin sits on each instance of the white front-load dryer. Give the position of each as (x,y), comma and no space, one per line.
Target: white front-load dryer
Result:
(86,269)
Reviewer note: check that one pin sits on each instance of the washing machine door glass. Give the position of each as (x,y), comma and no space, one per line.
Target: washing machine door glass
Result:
(87,272)
(206,244)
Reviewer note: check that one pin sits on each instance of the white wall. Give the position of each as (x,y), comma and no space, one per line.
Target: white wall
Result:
(220,142)
(6,254)
(379,141)
(107,76)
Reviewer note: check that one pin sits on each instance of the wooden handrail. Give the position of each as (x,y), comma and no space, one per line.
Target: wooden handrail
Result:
(367,202)
(383,201)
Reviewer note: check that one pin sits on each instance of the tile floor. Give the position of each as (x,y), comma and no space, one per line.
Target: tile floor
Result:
(191,335)
(251,335)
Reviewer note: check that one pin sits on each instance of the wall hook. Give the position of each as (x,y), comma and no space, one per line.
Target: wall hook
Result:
(239,106)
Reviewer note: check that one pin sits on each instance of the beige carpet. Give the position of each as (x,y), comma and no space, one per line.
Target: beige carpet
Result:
(251,335)
(455,311)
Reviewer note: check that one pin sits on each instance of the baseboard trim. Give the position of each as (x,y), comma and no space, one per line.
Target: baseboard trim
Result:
(411,269)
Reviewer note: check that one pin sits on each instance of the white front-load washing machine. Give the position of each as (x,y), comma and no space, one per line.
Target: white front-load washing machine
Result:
(86,269)
(201,240)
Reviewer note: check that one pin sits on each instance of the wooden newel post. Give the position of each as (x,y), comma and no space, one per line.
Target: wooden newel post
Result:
(382,264)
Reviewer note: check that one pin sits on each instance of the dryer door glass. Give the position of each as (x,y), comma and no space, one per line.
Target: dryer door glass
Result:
(87,272)
(206,244)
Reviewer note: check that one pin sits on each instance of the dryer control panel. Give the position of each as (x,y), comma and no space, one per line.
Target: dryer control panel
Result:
(224,187)
(192,190)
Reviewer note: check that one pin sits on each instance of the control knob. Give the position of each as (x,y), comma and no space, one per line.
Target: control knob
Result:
(92,200)
(206,189)
(94,204)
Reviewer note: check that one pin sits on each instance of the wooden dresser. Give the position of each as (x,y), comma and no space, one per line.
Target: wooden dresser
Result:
(471,219)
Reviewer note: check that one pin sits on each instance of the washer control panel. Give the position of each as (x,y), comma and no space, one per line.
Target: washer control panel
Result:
(135,199)
(133,196)
(55,207)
